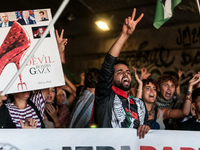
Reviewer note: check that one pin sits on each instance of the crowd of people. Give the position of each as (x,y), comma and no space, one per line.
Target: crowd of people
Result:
(105,99)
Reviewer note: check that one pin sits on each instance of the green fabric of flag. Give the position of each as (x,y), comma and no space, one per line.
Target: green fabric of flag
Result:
(164,11)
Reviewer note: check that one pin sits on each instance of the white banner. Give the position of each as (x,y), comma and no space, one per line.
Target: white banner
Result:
(17,39)
(97,139)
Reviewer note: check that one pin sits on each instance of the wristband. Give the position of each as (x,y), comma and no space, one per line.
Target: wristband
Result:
(189,97)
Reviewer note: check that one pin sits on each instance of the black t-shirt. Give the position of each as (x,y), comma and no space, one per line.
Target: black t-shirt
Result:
(191,124)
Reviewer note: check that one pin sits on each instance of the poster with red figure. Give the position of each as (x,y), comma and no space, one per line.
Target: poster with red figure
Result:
(19,33)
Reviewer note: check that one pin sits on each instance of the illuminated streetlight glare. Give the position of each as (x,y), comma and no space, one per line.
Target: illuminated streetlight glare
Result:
(102,25)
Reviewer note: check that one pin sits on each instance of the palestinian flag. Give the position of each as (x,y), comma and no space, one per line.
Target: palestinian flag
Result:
(164,11)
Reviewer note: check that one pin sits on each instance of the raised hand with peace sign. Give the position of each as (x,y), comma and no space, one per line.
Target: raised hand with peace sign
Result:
(62,42)
(128,28)
(130,24)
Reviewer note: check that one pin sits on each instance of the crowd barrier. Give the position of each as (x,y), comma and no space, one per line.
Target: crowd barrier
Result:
(97,139)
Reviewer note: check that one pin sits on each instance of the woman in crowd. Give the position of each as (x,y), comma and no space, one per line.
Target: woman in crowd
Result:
(62,109)
(25,111)
(147,90)
(166,99)
(56,112)
(51,119)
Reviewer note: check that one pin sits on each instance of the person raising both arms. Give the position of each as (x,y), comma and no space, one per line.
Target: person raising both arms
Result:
(158,115)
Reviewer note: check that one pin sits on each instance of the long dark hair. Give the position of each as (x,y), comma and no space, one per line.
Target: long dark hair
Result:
(54,105)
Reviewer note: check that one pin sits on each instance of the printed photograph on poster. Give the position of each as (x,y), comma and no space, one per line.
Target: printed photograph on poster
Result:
(38,32)
(26,17)
(41,15)
(7,19)
(19,33)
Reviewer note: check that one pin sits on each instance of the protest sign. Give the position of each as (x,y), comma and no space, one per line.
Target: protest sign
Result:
(97,139)
(18,37)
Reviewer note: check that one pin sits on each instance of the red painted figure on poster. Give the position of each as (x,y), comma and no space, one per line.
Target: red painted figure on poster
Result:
(14,47)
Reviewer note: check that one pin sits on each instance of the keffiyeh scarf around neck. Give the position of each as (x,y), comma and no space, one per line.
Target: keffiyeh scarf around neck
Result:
(118,112)
(161,103)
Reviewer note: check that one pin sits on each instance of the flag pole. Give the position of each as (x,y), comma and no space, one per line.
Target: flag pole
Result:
(56,16)
(198,5)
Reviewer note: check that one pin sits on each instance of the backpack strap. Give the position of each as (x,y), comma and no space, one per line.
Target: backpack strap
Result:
(37,112)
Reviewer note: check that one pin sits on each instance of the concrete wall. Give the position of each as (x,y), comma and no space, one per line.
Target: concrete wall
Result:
(169,48)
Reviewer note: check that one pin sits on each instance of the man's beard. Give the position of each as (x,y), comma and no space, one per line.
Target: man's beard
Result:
(122,87)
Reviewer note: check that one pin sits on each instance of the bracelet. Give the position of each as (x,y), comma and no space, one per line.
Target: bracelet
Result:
(189,97)
(188,92)
(139,90)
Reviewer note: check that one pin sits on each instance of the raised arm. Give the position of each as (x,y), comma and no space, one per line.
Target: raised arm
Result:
(128,28)
(61,43)
(70,84)
(180,72)
(179,113)
(82,78)
(140,84)
(105,78)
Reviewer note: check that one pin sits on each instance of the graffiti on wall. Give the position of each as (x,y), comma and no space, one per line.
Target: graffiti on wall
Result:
(160,60)
(188,36)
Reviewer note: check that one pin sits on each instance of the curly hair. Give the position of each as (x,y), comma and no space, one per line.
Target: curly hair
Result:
(172,73)
(167,77)
(149,80)
(91,75)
